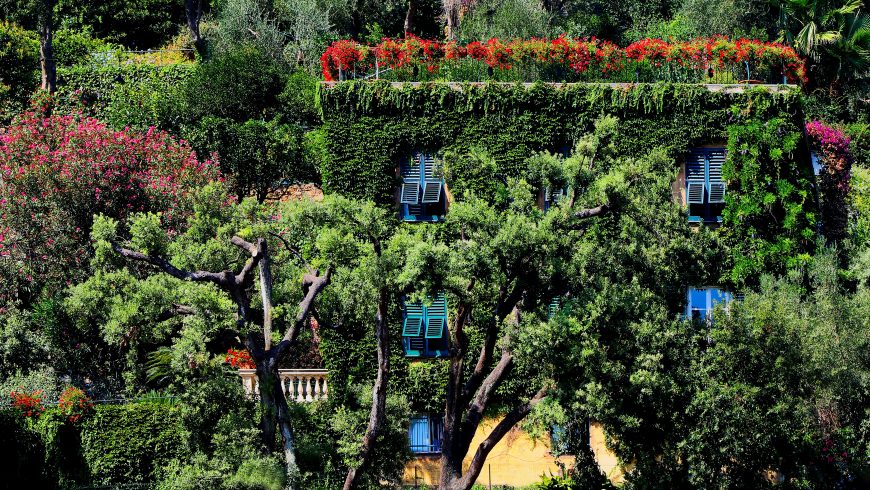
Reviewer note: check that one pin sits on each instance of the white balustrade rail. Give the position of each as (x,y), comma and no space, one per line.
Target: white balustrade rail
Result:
(299,385)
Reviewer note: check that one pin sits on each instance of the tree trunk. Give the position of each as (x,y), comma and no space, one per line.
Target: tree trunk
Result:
(276,415)
(409,17)
(451,15)
(46,50)
(377,415)
(193,9)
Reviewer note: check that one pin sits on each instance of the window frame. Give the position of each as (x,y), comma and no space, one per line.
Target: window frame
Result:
(423,344)
(705,211)
(429,442)
(710,302)
(419,169)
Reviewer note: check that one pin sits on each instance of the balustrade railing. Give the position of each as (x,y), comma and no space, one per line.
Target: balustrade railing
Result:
(299,385)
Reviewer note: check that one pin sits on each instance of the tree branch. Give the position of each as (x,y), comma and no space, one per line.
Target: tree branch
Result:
(500,430)
(311,270)
(591,212)
(222,279)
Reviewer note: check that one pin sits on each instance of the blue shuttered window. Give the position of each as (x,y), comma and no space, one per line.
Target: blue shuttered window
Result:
(424,328)
(552,196)
(425,434)
(422,193)
(705,188)
(701,301)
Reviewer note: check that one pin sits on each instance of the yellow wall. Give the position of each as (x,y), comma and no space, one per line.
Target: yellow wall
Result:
(516,460)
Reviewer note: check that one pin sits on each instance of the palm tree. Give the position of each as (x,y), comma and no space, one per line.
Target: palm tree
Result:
(852,49)
(835,30)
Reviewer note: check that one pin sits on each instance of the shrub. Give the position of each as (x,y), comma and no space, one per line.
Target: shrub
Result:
(58,171)
(239,84)
(19,65)
(130,443)
(254,154)
(258,474)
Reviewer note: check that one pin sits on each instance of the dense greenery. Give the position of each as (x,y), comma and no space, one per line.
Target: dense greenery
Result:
(172,155)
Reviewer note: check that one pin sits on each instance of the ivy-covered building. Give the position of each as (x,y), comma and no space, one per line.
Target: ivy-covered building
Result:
(387,141)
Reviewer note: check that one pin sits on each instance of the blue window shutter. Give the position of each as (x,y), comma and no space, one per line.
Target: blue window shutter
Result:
(717,192)
(411,181)
(431,191)
(436,317)
(553,308)
(419,435)
(413,324)
(716,186)
(695,192)
(695,165)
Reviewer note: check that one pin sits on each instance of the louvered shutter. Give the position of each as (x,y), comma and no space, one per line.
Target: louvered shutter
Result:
(695,192)
(436,317)
(553,308)
(695,178)
(715,160)
(431,183)
(411,181)
(414,315)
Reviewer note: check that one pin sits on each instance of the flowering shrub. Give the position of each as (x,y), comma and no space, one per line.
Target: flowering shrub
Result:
(832,148)
(240,359)
(28,404)
(74,404)
(58,171)
(703,54)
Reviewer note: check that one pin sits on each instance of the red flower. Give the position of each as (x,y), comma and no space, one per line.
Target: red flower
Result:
(240,359)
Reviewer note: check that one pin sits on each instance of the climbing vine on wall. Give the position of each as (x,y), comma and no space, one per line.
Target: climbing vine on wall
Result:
(371,126)
(770,215)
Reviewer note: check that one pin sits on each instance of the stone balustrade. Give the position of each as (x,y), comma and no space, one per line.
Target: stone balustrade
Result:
(299,385)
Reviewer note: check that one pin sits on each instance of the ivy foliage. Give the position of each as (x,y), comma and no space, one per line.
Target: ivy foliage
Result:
(486,132)
(769,219)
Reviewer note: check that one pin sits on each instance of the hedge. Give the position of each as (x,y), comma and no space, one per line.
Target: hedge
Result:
(130,443)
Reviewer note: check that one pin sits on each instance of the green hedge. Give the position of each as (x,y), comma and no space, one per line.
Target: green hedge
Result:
(370,126)
(129,443)
(95,85)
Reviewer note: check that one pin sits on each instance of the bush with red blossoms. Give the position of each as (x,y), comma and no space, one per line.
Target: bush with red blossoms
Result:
(29,405)
(239,359)
(832,148)
(58,171)
(689,60)
(75,404)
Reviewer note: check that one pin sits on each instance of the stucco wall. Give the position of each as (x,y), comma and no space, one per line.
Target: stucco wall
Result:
(516,460)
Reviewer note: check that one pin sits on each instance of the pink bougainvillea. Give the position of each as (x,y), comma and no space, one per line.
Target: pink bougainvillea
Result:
(58,171)
(831,147)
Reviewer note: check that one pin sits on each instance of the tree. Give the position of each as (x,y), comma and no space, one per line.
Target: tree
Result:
(46,52)
(822,30)
(324,248)
(193,10)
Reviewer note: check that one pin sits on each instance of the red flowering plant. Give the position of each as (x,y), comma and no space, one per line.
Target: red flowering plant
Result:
(654,51)
(29,405)
(498,54)
(74,404)
(58,171)
(344,55)
(239,359)
(687,61)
